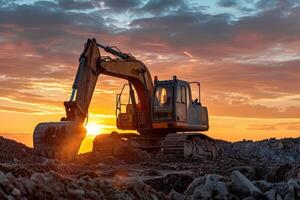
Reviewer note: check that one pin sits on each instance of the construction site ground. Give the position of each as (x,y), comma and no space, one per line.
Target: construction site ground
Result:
(268,169)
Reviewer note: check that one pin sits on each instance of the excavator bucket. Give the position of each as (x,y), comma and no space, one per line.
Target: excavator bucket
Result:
(60,140)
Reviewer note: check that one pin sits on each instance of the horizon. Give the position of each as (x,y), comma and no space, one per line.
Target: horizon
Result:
(245,54)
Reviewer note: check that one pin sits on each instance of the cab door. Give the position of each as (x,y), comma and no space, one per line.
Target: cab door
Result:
(163,103)
(181,103)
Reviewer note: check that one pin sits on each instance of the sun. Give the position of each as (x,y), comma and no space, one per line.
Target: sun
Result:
(93,129)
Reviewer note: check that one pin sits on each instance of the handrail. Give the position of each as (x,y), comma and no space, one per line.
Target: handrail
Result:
(198,83)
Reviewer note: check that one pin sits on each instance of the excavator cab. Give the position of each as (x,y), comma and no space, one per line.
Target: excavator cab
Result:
(174,109)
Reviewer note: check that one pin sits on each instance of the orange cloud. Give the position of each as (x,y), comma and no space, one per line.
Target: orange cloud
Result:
(248,67)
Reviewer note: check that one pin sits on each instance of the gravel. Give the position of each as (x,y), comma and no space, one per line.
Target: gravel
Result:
(268,169)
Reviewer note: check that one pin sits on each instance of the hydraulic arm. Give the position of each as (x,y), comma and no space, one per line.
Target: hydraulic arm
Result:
(53,138)
(91,64)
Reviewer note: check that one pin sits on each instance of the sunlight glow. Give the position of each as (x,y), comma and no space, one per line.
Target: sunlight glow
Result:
(93,129)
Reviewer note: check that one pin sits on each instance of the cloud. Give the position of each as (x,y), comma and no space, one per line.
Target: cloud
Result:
(276,126)
(75,5)
(201,29)
(218,35)
(239,61)
(163,6)
(267,5)
(45,23)
(19,110)
(228,3)
(124,5)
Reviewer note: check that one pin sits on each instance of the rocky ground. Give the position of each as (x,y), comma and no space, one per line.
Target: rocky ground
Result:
(269,169)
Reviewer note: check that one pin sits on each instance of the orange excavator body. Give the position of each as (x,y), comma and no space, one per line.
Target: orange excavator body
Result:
(161,108)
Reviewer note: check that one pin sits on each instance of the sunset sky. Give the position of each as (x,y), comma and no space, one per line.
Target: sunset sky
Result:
(246,54)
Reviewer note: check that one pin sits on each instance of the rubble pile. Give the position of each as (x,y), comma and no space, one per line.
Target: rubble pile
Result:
(270,150)
(175,185)
(51,185)
(237,186)
(11,150)
(236,174)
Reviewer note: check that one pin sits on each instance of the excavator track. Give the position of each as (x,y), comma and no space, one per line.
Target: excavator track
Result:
(104,145)
(189,146)
(119,146)
(116,145)
(174,145)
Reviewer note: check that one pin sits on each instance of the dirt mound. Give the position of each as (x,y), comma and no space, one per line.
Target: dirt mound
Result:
(238,173)
(270,150)
(237,186)
(52,185)
(12,151)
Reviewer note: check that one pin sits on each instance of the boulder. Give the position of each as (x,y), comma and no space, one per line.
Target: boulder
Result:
(213,188)
(293,187)
(242,186)
(196,183)
(263,185)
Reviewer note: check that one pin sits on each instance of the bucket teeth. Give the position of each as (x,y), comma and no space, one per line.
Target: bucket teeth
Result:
(59,140)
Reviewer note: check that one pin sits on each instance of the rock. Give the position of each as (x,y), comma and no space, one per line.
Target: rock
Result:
(294,172)
(271,194)
(92,195)
(269,150)
(124,151)
(278,197)
(281,189)
(212,189)
(2,194)
(175,181)
(2,177)
(8,188)
(263,185)
(220,191)
(144,191)
(224,178)
(150,172)
(292,190)
(175,195)
(16,193)
(10,197)
(196,183)
(29,186)
(76,192)
(14,152)
(39,178)
(88,173)
(247,171)
(242,186)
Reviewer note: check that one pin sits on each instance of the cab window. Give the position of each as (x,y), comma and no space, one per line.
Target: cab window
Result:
(163,103)
(181,94)
(163,96)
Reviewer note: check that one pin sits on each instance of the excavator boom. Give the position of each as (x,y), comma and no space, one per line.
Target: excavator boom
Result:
(63,139)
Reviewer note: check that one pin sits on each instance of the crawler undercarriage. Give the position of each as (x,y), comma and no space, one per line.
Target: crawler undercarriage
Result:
(174,145)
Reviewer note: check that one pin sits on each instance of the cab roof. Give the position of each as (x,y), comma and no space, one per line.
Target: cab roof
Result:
(171,82)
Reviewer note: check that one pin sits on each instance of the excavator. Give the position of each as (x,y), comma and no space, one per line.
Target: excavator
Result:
(162,113)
